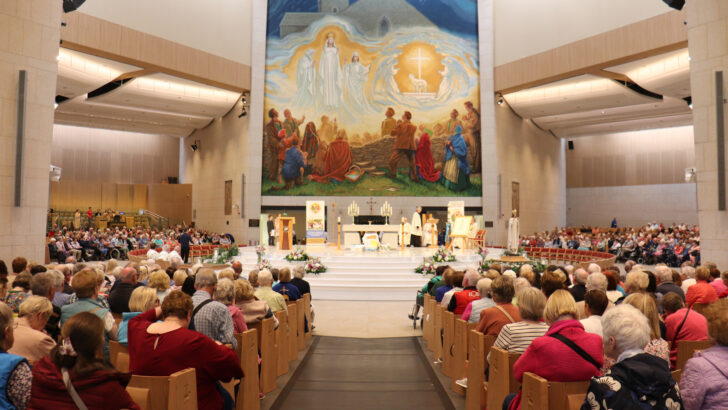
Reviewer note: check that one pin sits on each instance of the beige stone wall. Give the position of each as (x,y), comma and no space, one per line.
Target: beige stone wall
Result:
(534,159)
(120,157)
(647,157)
(223,154)
(708,45)
(29,36)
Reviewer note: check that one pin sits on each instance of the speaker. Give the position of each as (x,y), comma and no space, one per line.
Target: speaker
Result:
(676,4)
(72,5)
(571,145)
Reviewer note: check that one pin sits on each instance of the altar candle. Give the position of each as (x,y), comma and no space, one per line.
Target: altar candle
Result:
(338,219)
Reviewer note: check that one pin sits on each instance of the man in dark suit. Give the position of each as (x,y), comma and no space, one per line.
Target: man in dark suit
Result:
(404,146)
(184,242)
(271,226)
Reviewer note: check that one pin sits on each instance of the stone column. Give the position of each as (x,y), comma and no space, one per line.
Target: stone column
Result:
(29,38)
(708,44)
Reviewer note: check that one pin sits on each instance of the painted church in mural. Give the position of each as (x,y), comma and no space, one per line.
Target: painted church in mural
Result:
(372,98)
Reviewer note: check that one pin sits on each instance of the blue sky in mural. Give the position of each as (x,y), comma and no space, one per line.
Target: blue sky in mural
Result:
(462,20)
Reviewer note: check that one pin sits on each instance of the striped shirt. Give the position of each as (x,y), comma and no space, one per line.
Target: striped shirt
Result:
(516,337)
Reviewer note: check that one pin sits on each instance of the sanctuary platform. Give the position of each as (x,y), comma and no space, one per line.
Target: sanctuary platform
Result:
(365,275)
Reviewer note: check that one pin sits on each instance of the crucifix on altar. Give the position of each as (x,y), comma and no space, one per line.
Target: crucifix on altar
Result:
(371,202)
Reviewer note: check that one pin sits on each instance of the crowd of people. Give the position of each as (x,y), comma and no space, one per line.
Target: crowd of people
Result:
(618,327)
(56,322)
(650,244)
(101,244)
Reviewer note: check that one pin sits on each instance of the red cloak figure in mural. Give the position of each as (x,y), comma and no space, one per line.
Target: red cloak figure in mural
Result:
(337,160)
(423,159)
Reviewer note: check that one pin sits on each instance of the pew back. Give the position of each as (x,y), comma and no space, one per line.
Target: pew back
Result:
(247,398)
(540,394)
(177,391)
(686,349)
(500,376)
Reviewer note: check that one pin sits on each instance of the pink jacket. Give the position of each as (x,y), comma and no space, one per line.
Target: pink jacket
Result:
(704,383)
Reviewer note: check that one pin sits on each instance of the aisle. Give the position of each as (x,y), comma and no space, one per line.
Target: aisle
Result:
(348,373)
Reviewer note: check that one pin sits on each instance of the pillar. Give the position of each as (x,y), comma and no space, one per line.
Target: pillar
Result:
(29,38)
(708,44)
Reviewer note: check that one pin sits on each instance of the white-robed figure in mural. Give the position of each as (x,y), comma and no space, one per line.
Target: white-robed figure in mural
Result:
(513,233)
(329,74)
(355,78)
(305,80)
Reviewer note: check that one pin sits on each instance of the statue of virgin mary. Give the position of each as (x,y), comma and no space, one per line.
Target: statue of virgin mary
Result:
(513,233)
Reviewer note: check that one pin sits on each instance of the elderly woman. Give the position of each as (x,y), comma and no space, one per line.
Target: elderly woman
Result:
(30,341)
(704,382)
(225,294)
(228,273)
(253,278)
(472,311)
(493,319)
(254,310)
(159,281)
(447,279)
(166,347)
(701,292)
(285,287)
(303,287)
(141,300)
(551,356)
(637,380)
(78,360)
(516,337)
(682,323)
(20,291)
(613,294)
(457,286)
(647,305)
(179,277)
(15,375)
(551,281)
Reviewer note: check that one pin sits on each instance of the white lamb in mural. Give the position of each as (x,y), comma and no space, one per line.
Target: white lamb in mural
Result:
(419,84)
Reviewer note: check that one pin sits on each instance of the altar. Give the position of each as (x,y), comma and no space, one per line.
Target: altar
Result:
(352,234)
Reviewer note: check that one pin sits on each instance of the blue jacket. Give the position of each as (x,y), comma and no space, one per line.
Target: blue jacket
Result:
(292,164)
(291,291)
(8,363)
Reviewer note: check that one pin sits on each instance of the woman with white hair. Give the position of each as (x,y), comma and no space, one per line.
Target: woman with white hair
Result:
(225,294)
(637,380)
(472,311)
(30,341)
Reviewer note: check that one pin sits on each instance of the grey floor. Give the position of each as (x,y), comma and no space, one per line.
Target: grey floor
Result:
(349,373)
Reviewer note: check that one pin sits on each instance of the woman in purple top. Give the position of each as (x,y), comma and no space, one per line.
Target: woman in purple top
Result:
(704,383)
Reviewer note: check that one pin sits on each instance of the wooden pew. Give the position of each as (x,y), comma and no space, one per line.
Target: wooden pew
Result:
(119,356)
(266,340)
(307,312)
(686,349)
(478,347)
(282,343)
(448,342)
(247,398)
(437,350)
(292,331)
(500,376)
(142,397)
(300,324)
(541,394)
(460,355)
(177,391)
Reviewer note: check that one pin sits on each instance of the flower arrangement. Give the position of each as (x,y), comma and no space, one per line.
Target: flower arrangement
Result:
(521,252)
(260,252)
(427,267)
(263,264)
(483,253)
(537,265)
(443,255)
(314,265)
(222,255)
(297,255)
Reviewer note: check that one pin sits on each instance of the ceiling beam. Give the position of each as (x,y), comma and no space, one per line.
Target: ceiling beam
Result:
(646,38)
(105,39)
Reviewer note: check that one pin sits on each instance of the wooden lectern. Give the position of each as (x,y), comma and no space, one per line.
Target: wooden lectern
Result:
(285,233)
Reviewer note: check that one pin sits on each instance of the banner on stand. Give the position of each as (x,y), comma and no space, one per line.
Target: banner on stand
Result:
(315,222)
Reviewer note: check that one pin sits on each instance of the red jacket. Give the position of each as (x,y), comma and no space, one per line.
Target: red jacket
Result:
(701,292)
(553,360)
(694,328)
(95,390)
(463,298)
(162,355)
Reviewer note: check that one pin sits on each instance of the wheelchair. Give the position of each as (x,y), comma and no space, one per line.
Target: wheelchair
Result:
(415,314)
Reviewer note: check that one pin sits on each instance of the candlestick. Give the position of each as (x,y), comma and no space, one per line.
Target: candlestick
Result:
(338,219)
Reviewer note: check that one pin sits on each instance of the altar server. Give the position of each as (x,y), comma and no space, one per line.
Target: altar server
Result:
(430,234)
(407,231)
(417,228)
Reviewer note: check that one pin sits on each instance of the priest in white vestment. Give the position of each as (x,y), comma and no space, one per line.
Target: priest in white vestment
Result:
(417,228)
(513,244)
(407,232)
(429,234)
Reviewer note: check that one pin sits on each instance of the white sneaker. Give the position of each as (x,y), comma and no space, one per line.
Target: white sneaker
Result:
(462,383)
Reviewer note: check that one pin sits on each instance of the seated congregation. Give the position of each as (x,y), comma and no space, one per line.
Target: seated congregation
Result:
(105,336)
(581,337)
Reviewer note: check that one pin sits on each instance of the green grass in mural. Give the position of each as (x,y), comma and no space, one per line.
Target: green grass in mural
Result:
(373,185)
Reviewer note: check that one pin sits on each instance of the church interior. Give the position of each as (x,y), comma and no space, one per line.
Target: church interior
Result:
(360,204)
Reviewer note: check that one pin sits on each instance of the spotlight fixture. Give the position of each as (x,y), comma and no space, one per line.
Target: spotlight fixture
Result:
(72,5)
(244,113)
(195,145)
(500,101)
(676,4)
(689,100)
